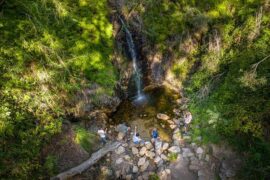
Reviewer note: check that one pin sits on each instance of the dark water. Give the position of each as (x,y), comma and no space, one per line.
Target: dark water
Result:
(143,113)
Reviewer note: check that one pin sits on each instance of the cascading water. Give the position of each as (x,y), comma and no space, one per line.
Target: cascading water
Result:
(133,54)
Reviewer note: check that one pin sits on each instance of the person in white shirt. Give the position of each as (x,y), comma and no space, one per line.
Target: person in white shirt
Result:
(136,137)
(102,135)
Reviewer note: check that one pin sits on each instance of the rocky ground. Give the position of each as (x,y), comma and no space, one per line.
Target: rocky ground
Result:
(181,158)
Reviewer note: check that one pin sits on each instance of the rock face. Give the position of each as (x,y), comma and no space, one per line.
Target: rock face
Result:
(162,116)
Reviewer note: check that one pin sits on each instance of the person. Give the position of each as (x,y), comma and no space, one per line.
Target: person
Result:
(154,133)
(136,137)
(102,135)
(187,120)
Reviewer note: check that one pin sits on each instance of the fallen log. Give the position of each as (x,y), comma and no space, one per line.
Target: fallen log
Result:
(89,162)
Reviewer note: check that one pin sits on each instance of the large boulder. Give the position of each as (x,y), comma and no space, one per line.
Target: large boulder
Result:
(162,116)
(165,146)
(174,149)
(148,145)
(143,151)
(135,150)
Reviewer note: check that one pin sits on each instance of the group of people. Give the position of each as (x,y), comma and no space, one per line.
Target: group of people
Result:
(136,139)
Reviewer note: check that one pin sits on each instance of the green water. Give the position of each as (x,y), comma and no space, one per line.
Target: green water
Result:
(143,115)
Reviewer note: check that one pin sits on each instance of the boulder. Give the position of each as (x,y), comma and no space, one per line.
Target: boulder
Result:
(135,150)
(119,161)
(150,154)
(164,157)
(199,150)
(120,150)
(128,177)
(120,136)
(143,151)
(127,158)
(162,116)
(173,126)
(165,146)
(141,161)
(170,122)
(157,159)
(144,166)
(158,147)
(174,149)
(135,169)
(148,145)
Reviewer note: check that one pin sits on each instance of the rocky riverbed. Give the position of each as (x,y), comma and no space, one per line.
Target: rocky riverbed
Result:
(178,157)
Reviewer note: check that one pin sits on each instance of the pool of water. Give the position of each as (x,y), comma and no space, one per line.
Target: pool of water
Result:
(142,111)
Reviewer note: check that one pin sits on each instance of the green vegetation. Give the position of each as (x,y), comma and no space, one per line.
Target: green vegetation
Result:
(221,57)
(85,138)
(172,157)
(49,50)
(153,177)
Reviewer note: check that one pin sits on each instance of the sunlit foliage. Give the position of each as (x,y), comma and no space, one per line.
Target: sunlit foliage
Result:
(49,49)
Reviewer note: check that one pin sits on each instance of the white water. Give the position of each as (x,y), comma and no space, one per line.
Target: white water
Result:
(133,54)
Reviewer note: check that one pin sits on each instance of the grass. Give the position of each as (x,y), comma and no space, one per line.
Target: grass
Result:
(172,157)
(86,139)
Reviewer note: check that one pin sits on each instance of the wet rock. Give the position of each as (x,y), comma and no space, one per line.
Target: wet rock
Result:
(144,166)
(143,151)
(174,149)
(135,150)
(135,169)
(141,161)
(163,116)
(165,146)
(119,161)
(120,150)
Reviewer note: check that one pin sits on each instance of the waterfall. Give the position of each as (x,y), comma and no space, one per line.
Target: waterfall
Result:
(133,54)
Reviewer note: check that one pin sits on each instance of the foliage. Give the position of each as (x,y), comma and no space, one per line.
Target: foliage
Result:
(172,157)
(50,165)
(49,50)
(153,177)
(85,138)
